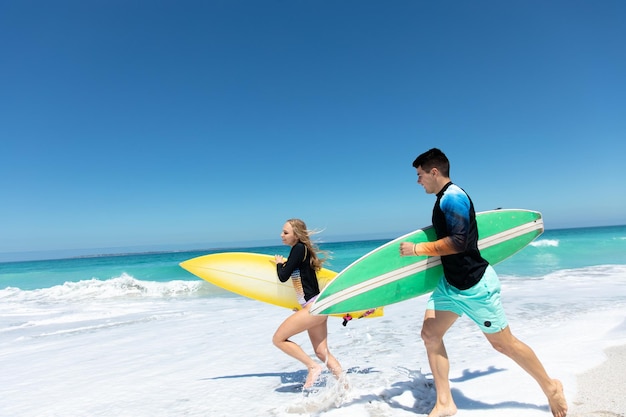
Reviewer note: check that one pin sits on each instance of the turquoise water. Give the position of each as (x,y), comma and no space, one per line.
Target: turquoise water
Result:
(554,250)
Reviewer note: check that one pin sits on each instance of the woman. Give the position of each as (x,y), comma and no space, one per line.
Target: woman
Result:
(301,267)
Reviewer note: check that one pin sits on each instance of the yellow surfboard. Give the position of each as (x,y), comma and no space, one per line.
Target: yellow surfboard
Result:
(253,275)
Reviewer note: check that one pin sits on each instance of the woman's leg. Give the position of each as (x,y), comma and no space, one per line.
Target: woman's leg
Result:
(319,339)
(297,323)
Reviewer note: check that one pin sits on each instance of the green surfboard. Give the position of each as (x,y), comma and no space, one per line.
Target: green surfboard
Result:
(383,277)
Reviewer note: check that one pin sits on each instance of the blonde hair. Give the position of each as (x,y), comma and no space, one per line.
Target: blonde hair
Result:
(304,236)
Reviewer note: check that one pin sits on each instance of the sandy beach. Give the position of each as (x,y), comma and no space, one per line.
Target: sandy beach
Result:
(602,390)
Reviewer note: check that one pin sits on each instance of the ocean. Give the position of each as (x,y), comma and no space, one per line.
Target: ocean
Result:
(136,335)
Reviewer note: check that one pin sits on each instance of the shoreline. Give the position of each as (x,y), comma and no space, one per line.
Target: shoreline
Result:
(600,390)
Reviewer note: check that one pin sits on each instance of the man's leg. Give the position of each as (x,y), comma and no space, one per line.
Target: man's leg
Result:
(436,324)
(524,356)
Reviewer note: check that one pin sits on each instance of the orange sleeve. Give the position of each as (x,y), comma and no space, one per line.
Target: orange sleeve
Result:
(441,247)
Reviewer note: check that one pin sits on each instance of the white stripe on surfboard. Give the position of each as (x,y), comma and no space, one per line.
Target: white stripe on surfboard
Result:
(510,234)
(417,267)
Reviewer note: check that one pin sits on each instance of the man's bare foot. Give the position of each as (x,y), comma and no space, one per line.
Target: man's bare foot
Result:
(314,373)
(556,399)
(443,411)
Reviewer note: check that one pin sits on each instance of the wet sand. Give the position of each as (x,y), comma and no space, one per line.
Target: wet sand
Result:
(602,390)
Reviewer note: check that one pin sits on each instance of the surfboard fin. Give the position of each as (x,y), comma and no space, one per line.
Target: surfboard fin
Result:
(348,317)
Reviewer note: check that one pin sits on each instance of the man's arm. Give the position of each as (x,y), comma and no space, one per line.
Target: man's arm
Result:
(441,247)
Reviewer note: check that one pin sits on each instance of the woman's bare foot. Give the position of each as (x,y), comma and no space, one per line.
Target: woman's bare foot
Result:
(556,399)
(342,380)
(314,373)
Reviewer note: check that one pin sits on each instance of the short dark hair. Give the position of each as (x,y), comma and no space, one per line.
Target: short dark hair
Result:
(433,158)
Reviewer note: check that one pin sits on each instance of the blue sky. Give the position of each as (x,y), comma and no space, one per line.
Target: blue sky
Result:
(184,124)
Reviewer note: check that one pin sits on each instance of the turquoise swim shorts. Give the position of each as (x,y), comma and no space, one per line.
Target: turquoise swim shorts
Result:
(481,303)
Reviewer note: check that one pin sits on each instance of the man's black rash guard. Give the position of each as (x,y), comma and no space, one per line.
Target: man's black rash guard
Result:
(454,217)
(300,258)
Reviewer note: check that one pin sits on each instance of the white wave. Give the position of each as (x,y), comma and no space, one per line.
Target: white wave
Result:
(597,272)
(545,242)
(615,272)
(124,286)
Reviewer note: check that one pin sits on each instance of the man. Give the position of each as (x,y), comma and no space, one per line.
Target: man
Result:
(469,286)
